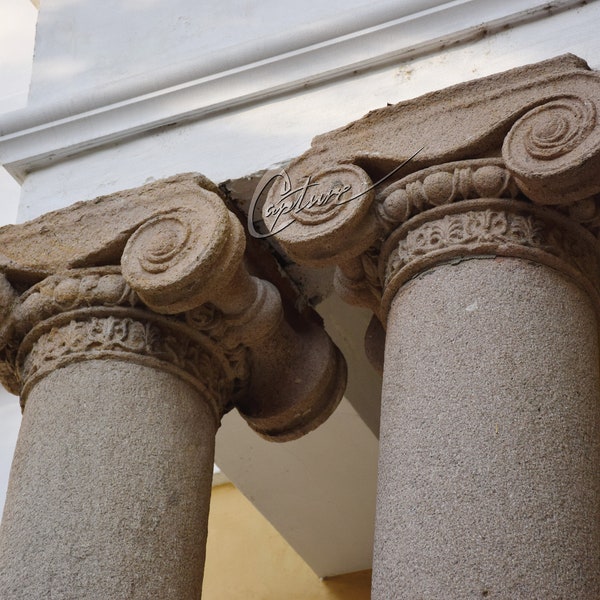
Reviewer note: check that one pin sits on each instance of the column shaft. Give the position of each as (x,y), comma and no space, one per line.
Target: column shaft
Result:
(110,487)
(489,467)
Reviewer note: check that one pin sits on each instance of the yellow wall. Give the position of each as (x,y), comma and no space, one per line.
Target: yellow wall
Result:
(246,559)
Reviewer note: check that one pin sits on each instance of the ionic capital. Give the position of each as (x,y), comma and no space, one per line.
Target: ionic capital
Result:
(156,276)
(508,165)
(470,209)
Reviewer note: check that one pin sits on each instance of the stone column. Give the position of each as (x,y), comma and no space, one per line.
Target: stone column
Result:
(490,431)
(127,339)
(110,486)
(480,259)
(490,440)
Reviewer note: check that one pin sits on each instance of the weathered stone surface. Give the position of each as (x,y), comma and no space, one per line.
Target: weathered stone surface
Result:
(180,252)
(539,122)
(490,437)
(96,231)
(549,111)
(110,486)
(479,255)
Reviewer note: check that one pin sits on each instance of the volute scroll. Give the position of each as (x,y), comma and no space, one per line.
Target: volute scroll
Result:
(553,150)
(156,275)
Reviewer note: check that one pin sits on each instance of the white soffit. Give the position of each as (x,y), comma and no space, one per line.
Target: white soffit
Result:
(40,134)
(318,492)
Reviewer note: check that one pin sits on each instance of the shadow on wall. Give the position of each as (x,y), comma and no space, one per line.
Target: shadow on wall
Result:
(353,585)
(247,559)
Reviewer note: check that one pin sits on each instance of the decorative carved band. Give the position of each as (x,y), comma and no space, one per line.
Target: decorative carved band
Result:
(131,335)
(359,281)
(541,119)
(444,184)
(78,288)
(454,210)
(83,292)
(489,227)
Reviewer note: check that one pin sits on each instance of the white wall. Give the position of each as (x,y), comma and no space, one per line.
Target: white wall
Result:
(17,29)
(160,43)
(233,124)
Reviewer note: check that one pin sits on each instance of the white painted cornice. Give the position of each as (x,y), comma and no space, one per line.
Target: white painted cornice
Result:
(40,134)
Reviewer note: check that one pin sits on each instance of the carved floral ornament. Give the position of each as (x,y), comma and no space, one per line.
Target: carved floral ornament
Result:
(156,276)
(508,165)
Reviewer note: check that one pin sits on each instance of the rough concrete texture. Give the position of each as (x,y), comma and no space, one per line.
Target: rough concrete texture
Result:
(110,486)
(489,481)
(96,231)
(474,117)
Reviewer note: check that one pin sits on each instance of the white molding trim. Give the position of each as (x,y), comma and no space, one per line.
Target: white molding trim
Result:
(39,135)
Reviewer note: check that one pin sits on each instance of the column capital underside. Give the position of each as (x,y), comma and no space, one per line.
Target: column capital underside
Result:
(156,275)
(507,165)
